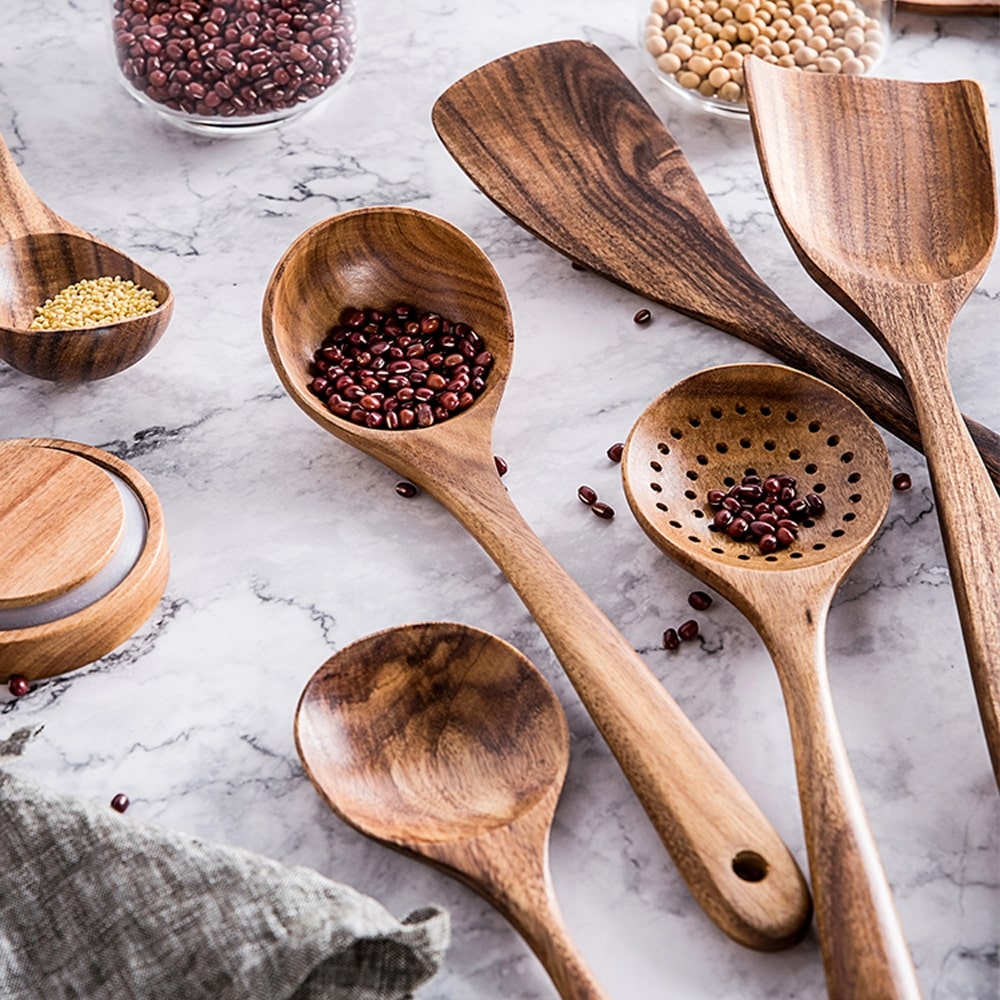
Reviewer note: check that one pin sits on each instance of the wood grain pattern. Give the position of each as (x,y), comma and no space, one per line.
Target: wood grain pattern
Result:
(444,742)
(899,226)
(709,430)
(93,631)
(380,256)
(558,138)
(61,517)
(40,255)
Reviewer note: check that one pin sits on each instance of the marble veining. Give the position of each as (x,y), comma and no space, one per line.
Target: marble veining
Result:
(286,544)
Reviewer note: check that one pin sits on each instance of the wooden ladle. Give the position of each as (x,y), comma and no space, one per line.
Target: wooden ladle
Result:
(40,255)
(707,432)
(558,137)
(733,861)
(887,192)
(446,743)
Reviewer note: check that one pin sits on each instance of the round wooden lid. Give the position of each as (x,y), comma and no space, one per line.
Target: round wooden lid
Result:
(61,518)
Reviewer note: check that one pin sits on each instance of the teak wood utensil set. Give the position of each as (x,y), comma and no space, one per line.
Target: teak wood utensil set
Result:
(442,740)
(558,138)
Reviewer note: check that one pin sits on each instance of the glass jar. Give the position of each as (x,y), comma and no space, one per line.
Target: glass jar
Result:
(232,67)
(697,47)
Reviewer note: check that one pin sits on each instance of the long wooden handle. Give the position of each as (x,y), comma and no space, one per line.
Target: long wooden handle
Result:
(865,955)
(509,866)
(969,515)
(731,858)
(22,212)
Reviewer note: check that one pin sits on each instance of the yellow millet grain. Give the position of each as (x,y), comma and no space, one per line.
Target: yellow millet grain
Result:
(94,302)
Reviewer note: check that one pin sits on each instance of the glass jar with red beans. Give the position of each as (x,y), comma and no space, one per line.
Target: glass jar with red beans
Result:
(233,67)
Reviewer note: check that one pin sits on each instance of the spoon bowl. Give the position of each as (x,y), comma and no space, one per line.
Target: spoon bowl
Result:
(733,861)
(899,228)
(444,742)
(40,255)
(708,432)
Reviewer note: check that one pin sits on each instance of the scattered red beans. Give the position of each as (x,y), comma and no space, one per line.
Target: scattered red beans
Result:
(767,512)
(901,481)
(399,369)
(18,686)
(587,495)
(699,600)
(501,466)
(603,510)
(233,58)
(615,451)
(405,489)
(642,317)
(120,802)
(688,630)
(671,640)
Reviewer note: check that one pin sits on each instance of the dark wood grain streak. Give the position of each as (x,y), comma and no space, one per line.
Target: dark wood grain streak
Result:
(445,743)
(559,139)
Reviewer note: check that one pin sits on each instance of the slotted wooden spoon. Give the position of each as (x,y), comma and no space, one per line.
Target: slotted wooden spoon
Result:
(558,138)
(733,861)
(886,190)
(446,743)
(40,255)
(707,432)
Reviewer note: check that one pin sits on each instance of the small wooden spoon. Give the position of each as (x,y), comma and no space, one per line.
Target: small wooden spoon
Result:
(731,858)
(40,255)
(446,743)
(558,138)
(708,431)
(886,190)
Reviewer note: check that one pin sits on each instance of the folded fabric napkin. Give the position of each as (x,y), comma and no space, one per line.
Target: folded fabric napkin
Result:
(94,906)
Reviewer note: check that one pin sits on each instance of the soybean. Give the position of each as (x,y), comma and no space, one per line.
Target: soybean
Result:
(705,53)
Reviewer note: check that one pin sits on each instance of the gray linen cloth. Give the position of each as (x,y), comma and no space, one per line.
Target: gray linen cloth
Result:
(94,906)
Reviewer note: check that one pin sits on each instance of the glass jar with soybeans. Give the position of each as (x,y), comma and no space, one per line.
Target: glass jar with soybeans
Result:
(697,47)
(232,67)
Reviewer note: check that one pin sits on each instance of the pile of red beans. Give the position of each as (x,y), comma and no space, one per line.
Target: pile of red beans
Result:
(765,511)
(233,58)
(399,368)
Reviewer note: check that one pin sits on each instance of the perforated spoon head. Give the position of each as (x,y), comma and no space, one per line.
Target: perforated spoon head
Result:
(720,424)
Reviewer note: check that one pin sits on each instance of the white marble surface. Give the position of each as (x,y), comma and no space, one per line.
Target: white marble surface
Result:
(287,544)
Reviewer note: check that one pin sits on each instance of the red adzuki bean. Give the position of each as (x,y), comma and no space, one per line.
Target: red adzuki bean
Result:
(699,600)
(233,58)
(587,495)
(671,640)
(18,686)
(901,481)
(615,451)
(603,510)
(405,489)
(688,630)
(359,371)
(120,802)
(764,511)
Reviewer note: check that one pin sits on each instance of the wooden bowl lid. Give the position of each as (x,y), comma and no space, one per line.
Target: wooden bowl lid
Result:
(61,518)
(83,555)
